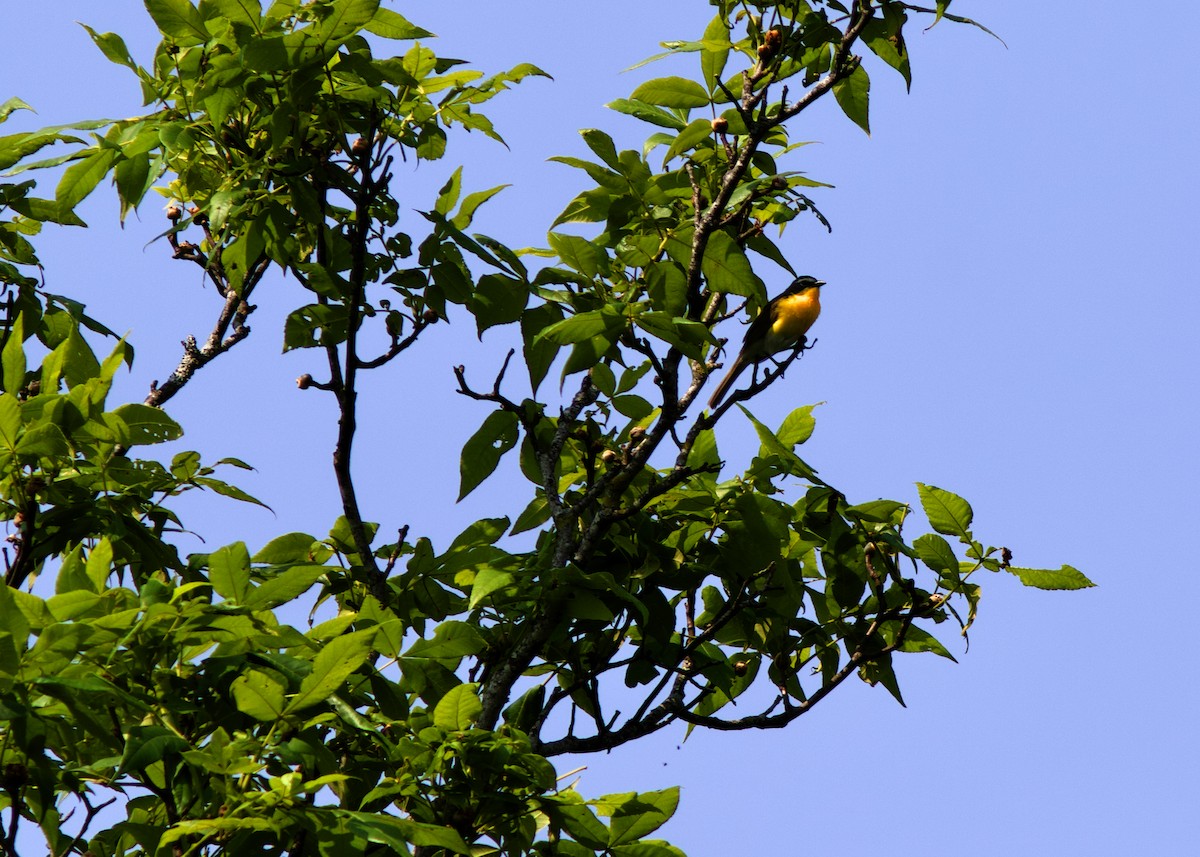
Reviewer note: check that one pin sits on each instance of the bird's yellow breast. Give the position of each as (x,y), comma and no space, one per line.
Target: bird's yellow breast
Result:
(794,315)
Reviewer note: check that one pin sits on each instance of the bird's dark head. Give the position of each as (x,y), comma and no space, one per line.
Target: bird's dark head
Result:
(801,284)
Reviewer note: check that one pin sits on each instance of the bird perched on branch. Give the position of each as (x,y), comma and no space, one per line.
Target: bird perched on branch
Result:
(779,327)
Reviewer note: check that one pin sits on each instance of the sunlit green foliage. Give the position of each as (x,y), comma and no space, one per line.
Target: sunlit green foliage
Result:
(420,712)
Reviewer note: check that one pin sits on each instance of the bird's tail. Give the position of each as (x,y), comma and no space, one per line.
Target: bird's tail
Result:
(736,369)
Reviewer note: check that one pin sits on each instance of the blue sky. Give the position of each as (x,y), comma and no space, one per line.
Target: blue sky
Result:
(1011,314)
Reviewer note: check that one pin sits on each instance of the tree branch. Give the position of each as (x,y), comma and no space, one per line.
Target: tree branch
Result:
(347,394)
(220,339)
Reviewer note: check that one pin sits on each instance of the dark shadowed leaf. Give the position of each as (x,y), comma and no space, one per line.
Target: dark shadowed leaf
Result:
(483,451)
(852,94)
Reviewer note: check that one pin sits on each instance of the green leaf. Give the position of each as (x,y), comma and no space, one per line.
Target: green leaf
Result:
(604,379)
(773,447)
(885,37)
(72,574)
(942,5)
(589,207)
(599,173)
(341,535)
(398,833)
(145,745)
(229,572)
(487,581)
(650,848)
(315,325)
(17,146)
(880,671)
(919,640)
(948,513)
(757,532)
(321,281)
(498,299)
(523,714)
(241,11)
(292,547)
(647,113)
(148,424)
(100,564)
(581,823)
(764,246)
(12,358)
(11,106)
(226,490)
(603,146)
(727,269)
(642,814)
(672,92)
(511,259)
(583,326)
(668,287)
(285,587)
(852,93)
(12,621)
(81,178)
(539,351)
(451,640)
(696,132)
(348,17)
(79,363)
(458,709)
(204,828)
(483,451)
(269,54)
(716,51)
(393,25)
(682,333)
(536,513)
(936,553)
(1045,578)
(219,207)
(584,355)
(448,196)
(133,178)
(178,20)
(259,695)
(48,211)
(797,427)
(112,46)
(633,407)
(466,212)
(331,667)
(579,253)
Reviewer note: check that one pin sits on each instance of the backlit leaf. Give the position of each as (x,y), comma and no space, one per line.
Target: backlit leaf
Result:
(335,662)
(948,513)
(642,814)
(458,709)
(671,92)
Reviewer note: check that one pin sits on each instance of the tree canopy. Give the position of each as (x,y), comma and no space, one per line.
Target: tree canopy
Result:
(365,690)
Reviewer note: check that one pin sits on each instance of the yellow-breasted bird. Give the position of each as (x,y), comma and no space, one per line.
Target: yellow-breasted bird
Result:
(780,326)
